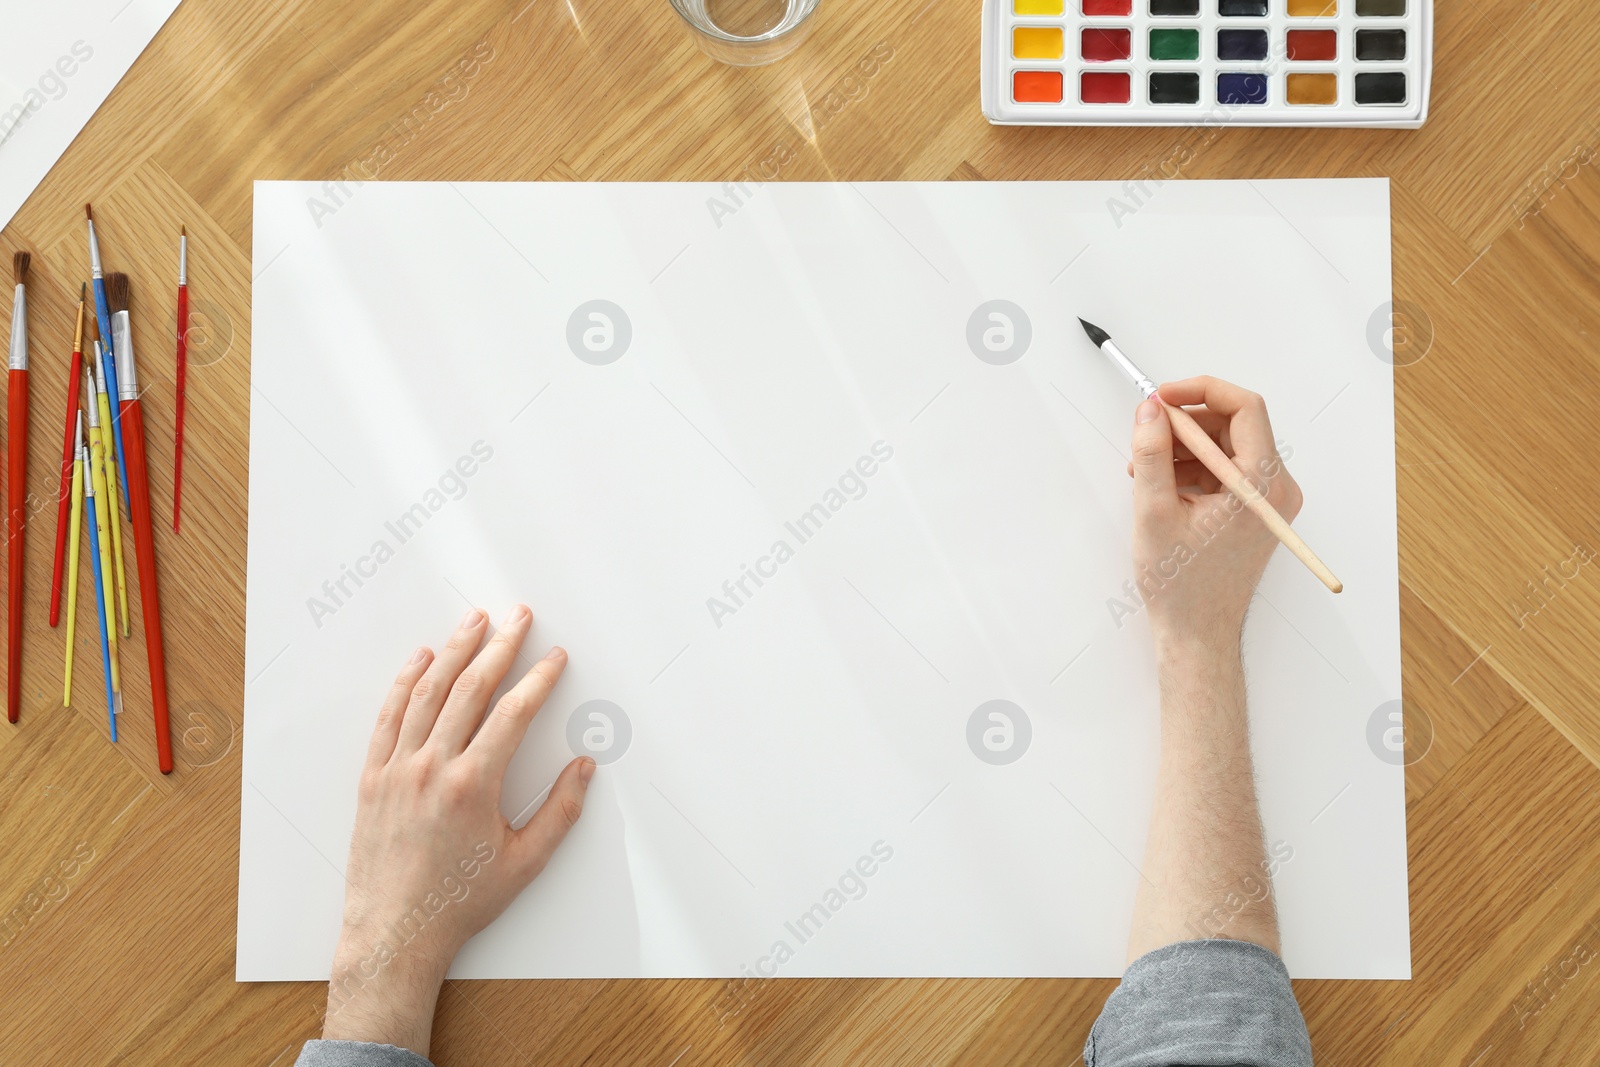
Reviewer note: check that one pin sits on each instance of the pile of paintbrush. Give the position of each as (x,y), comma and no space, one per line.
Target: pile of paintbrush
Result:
(103,466)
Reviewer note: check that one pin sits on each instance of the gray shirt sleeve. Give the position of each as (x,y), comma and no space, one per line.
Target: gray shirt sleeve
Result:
(357,1054)
(1201,1002)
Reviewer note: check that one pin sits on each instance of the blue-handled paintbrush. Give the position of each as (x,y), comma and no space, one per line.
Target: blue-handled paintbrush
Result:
(97,550)
(107,356)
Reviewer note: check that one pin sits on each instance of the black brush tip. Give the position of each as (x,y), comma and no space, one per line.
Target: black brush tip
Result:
(1096,334)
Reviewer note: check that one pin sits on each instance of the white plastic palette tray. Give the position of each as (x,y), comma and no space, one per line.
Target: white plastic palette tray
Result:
(1236,62)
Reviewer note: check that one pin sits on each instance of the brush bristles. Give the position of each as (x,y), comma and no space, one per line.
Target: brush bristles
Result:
(1096,334)
(117,291)
(88,212)
(19,267)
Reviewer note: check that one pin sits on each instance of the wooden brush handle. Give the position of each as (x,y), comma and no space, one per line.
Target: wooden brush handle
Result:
(1185,429)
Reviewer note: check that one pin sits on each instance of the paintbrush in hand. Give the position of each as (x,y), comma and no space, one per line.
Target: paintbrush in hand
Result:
(1210,454)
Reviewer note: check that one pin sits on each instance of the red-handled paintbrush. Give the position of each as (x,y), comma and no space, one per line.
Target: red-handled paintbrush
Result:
(183,372)
(138,475)
(64,503)
(16,479)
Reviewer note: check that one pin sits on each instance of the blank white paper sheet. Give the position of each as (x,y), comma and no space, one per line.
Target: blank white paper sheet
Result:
(823,488)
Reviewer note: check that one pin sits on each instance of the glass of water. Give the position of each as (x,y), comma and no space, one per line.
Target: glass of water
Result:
(747,33)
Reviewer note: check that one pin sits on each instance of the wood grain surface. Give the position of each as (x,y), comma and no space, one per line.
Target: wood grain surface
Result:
(117,890)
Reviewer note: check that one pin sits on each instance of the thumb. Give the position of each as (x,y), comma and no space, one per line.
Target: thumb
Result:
(1154,481)
(536,842)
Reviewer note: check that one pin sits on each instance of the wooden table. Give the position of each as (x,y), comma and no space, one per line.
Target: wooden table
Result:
(117,895)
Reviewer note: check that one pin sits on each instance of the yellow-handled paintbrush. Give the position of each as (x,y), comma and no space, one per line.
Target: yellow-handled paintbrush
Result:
(102,530)
(76,523)
(109,504)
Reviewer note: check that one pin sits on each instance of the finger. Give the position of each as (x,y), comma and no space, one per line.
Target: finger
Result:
(1154,487)
(1211,421)
(1183,455)
(429,694)
(533,845)
(392,713)
(505,727)
(1249,428)
(469,696)
(1191,472)
(1215,426)
(1223,397)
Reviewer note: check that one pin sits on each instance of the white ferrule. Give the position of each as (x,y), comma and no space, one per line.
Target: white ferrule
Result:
(19,329)
(83,454)
(1137,376)
(77,448)
(183,260)
(94,388)
(122,346)
(94,251)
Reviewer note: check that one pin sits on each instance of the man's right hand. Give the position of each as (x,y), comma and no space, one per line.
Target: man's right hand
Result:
(1198,552)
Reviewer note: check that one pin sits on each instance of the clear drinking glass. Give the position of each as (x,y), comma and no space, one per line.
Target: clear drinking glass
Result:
(747,33)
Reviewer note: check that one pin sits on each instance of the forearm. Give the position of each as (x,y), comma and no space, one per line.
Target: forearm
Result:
(1204,867)
(382,996)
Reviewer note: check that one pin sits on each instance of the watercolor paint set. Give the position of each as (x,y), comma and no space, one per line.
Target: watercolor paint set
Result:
(1207,62)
